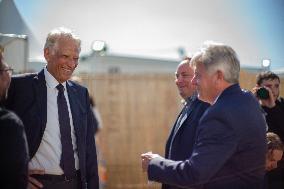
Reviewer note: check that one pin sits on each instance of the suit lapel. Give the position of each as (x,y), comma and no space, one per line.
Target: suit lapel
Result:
(189,107)
(170,138)
(188,113)
(175,130)
(75,105)
(41,98)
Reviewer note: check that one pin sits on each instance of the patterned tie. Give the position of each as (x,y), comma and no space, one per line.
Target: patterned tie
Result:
(67,162)
(181,118)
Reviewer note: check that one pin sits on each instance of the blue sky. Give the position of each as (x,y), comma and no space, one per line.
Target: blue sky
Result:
(157,28)
(266,19)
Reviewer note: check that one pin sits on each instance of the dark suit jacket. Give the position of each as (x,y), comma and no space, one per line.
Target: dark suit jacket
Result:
(28,98)
(181,140)
(14,156)
(229,151)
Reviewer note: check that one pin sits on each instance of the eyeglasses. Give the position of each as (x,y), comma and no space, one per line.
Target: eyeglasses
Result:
(8,70)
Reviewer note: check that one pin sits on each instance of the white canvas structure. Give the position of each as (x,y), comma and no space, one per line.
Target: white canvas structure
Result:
(15,37)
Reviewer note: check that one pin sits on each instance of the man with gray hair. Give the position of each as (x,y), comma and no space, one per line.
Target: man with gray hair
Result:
(230,147)
(58,119)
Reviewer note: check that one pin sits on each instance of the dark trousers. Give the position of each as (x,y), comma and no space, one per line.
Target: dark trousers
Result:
(59,181)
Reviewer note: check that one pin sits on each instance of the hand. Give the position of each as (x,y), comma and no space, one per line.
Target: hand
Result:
(270,102)
(146,158)
(33,183)
(254,90)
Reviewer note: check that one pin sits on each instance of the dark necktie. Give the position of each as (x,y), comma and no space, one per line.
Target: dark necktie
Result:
(67,162)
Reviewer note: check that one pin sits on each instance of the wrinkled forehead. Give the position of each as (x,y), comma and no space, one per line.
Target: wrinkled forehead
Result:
(184,66)
(66,46)
(196,59)
(199,67)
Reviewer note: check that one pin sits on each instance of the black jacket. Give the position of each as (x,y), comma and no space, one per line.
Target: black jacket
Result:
(14,151)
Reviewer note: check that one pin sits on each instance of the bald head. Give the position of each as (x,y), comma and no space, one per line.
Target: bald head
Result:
(184,74)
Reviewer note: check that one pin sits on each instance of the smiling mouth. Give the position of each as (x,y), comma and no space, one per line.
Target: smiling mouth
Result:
(67,70)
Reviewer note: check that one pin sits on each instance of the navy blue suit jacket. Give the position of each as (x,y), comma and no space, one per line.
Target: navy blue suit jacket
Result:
(229,150)
(27,97)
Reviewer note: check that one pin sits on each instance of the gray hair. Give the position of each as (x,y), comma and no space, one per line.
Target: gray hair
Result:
(217,56)
(61,33)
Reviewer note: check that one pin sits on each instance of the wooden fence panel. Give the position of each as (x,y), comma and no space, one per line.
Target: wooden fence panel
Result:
(137,112)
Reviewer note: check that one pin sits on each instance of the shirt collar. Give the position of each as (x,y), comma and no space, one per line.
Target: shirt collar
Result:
(216,98)
(190,99)
(51,81)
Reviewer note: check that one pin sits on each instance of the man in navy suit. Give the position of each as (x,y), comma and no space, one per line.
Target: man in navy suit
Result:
(182,137)
(230,146)
(57,117)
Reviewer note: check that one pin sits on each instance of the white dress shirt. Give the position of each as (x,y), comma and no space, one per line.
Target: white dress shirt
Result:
(49,152)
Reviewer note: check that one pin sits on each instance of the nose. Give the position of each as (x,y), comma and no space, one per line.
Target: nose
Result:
(178,79)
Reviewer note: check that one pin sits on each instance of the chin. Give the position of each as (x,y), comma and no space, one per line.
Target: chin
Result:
(65,78)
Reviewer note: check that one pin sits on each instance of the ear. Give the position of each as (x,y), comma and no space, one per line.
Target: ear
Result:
(47,54)
(220,75)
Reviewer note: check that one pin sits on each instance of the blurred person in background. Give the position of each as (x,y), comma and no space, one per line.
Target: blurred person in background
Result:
(101,162)
(267,92)
(95,110)
(14,156)
(275,149)
(274,154)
